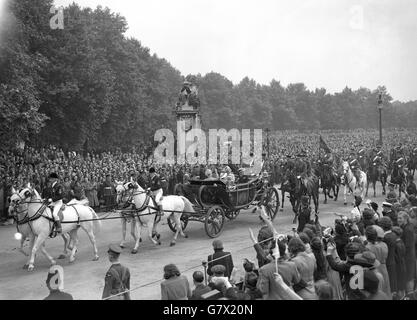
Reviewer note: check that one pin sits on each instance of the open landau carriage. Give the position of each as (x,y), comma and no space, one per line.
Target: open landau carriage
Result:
(211,209)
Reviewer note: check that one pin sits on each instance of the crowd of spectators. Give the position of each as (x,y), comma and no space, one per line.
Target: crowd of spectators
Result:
(87,175)
(315,264)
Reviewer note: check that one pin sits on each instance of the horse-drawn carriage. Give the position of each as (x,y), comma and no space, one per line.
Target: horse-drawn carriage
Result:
(208,198)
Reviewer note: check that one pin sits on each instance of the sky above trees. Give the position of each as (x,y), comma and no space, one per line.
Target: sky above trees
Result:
(322,43)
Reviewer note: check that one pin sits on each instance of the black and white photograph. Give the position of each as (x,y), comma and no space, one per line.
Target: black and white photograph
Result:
(208,150)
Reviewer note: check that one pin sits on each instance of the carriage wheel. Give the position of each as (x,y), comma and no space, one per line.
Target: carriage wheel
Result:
(173,226)
(232,214)
(213,224)
(271,202)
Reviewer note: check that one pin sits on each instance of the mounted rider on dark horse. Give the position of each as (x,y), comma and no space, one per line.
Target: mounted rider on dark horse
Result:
(377,171)
(329,178)
(300,181)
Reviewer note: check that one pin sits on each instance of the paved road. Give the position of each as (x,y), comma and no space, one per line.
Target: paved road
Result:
(84,278)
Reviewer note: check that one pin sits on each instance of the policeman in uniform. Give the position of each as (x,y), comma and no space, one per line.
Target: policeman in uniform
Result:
(117,278)
(55,194)
(155,187)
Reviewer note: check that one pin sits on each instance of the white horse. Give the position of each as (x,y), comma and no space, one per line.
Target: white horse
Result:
(35,220)
(145,212)
(348,179)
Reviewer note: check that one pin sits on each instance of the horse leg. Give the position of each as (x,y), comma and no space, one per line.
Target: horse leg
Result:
(178,229)
(325,195)
(344,195)
(122,243)
(374,186)
(150,225)
(135,231)
(283,197)
(47,255)
(90,233)
(32,238)
(74,238)
(66,243)
(40,239)
(367,187)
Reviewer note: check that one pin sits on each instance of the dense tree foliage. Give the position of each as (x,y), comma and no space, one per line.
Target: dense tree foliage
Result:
(88,86)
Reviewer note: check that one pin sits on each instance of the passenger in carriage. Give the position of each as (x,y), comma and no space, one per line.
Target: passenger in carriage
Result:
(227,176)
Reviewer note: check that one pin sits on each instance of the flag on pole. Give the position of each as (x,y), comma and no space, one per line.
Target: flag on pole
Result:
(324,146)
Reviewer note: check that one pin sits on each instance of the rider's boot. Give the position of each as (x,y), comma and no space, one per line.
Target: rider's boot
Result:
(58,228)
(160,210)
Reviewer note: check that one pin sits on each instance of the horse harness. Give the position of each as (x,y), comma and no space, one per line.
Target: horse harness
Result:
(126,214)
(39,213)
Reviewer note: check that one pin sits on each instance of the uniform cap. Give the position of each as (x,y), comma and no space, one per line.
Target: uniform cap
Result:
(386,204)
(114,248)
(151,170)
(218,270)
(53,175)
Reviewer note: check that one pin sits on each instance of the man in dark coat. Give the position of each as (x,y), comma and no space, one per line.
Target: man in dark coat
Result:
(200,287)
(54,194)
(117,278)
(390,239)
(221,258)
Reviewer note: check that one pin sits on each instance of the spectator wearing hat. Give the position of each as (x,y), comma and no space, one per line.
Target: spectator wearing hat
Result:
(263,245)
(387,211)
(220,257)
(305,265)
(380,250)
(200,287)
(408,238)
(117,279)
(401,270)
(390,239)
(54,282)
(369,257)
(341,239)
(343,267)
(287,270)
(175,286)
(370,287)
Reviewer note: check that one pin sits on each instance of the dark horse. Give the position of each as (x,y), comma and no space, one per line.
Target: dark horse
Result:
(398,177)
(300,186)
(329,181)
(376,172)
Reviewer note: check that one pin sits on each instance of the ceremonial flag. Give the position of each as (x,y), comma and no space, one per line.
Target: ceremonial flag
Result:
(324,146)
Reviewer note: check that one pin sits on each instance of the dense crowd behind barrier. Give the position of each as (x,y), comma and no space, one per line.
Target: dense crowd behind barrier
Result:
(84,175)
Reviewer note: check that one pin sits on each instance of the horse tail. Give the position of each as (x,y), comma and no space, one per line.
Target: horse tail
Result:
(188,206)
(96,221)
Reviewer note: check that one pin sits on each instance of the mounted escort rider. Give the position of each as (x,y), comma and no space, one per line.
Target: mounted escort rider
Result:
(155,187)
(55,193)
(355,166)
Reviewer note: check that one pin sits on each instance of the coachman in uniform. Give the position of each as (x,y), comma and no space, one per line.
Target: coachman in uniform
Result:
(55,193)
(117,278)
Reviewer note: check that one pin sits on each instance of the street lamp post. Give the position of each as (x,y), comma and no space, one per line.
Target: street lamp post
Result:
(267,141)
(380,117)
